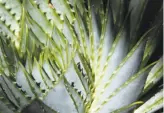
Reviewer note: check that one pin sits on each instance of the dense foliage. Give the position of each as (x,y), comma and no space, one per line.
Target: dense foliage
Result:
(79,56)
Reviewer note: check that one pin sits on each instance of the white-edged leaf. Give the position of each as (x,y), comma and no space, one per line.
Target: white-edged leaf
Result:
(152,105)
(114,58)
(107,38)
(73,77)
(154,76)
(15,7)
(36,73)
(37,16)
(126,93)
(10,21)
(59,99)
(22,81)
(76,98)
(63,8)
(19,96)
(50,12)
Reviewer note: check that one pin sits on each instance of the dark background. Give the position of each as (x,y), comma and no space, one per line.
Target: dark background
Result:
(149,15)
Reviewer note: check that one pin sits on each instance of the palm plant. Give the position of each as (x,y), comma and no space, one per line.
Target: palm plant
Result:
(78,56)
